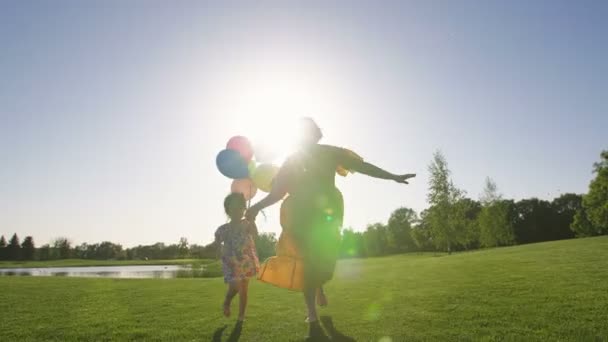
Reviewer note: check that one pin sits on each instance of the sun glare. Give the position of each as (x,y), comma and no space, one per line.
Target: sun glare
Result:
(266,109)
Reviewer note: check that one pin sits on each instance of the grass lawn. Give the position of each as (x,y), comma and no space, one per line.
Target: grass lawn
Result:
(541,292)
(83,262)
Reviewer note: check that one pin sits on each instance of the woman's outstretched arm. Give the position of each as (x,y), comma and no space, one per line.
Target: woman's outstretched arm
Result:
(376,172)
(354,162)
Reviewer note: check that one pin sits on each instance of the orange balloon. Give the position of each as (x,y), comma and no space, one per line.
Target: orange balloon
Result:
(244,186)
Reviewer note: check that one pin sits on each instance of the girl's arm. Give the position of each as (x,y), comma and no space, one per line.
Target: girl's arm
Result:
(253,229)
(218,242)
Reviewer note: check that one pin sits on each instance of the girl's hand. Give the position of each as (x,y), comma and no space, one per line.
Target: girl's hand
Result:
(403,178)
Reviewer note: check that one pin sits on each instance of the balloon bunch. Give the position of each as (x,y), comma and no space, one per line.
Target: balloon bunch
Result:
(236,162)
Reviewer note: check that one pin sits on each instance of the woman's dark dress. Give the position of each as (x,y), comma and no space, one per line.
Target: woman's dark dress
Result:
(314,210)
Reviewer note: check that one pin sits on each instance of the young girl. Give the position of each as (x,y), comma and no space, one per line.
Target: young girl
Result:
(239,258)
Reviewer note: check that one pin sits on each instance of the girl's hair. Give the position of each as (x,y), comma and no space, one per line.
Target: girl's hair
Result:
(235,196)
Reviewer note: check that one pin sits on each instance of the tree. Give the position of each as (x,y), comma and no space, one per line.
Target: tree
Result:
(28,249)
(582,226)
(399,230)
(466,221)
(490,193)
(495,228)
(14,248)
(352,245)
(375,240)
(63,247)
(182,248)
(44,252)
(532,220)
(442,197)
(421,233)
(565,208)
(2,248)
(265,244)
(108,250)
(594,220)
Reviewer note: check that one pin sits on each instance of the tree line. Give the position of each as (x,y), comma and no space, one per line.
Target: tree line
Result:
(455,222)
(452,222)
(62,248)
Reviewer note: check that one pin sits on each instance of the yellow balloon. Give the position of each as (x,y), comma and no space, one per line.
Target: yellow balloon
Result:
(263,176)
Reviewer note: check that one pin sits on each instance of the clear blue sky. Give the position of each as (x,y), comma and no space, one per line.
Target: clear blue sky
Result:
(112,112)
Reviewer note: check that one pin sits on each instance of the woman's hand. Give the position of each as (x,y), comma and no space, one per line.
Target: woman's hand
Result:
(251,214)
(403,178)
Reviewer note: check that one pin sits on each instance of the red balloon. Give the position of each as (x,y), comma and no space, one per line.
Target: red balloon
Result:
(242,145)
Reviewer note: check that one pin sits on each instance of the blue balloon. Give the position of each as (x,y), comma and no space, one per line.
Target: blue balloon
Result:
(231,164)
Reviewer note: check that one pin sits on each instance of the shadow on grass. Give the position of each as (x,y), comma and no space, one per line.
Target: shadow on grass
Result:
(235,335)
(217,335)
(334,334)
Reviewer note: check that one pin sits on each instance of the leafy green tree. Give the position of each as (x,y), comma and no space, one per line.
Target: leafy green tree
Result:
(44,252)
(532,220)
(421,233)
(565,208)
(63,247)
(592,218)
(400,224)
(352,245)
(442,198)
(182,248)
(466,220)
(265,244)
(582,226)
(375,240)
(495,227)
(28,249)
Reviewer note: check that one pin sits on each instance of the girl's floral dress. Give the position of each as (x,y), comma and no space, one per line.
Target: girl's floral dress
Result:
(239,258)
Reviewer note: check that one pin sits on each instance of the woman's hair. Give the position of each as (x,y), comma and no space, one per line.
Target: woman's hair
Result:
(309,130)
(235,196)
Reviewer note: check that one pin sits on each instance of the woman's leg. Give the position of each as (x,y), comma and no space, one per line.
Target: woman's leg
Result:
(230,293)
(321,298)
(244,288)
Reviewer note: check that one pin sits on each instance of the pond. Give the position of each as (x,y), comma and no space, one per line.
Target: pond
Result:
(135,271)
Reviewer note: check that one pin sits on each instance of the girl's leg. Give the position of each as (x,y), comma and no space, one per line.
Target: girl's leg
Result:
(309,299)
(243,289)
(230,293)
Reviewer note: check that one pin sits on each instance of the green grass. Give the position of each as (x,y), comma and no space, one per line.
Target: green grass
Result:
(83,262)
(554,291)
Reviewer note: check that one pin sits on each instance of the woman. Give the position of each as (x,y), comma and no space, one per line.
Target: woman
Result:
(314,208)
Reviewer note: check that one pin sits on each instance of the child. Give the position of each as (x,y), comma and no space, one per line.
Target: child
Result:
(239,258)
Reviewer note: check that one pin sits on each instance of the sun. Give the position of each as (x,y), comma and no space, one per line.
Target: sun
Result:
(263,101)
(269,114)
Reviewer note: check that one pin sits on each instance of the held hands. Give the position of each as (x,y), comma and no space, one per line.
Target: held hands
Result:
(403,178)
(251,214)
